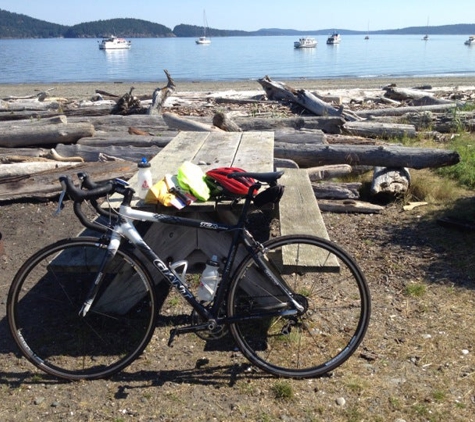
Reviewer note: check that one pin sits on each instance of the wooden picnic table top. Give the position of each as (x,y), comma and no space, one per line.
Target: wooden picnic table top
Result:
(251,151)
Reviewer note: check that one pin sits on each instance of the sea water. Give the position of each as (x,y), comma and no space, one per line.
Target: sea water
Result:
(234,58)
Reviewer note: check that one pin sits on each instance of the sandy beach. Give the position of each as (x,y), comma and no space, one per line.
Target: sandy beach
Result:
(87,89)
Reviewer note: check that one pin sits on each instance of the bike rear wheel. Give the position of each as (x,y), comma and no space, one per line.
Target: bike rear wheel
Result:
(48,292)
(329,285)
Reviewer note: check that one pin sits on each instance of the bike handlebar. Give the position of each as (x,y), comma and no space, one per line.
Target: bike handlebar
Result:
(92,192)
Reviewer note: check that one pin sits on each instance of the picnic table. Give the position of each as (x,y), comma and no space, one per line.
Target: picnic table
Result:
(251,151)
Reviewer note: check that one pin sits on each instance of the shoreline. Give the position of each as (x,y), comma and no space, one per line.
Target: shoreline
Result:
(84,90)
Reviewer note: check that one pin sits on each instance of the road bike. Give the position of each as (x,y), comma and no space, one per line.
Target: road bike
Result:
(86,307)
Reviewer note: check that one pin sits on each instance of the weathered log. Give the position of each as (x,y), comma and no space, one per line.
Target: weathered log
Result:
(95,154)
(292,136)
(326,124)
(31,167)
(349,206)
(179,123)
(128,104)
(224,122)
(328,172)
(399,94)
(393,181)
(279,91)
(24,152)
(330,190)
(31,105)
(33,133)
(399,111)
(373,155)
(380,130)
(160,95)
(109,139)
(114,123)
(39,96)
(46,184)
(221,100)
(351,140)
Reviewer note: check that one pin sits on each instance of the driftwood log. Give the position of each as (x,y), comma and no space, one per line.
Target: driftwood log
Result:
(95,154)
(380,130)
(31,167)
(107,140)
(399,94)
(392,181)
(46,184)
(349,205)
(174,121)
(331,190)
(328,172)
(31,133)
(400,111)
(224,122)
(279,91)
(372,155)
(160,95)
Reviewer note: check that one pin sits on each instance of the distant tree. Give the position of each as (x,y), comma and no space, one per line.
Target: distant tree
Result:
(14,25)
(132,28)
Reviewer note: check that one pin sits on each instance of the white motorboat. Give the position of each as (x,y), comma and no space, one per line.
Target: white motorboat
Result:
(334,38)
(471,40)
(114,43)
(204,39)
(305,42)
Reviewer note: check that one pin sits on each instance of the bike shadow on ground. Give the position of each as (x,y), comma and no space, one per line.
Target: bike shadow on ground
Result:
(214,376)
(202,373)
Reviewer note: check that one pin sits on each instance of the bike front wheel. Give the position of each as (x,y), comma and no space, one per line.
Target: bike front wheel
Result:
(329,286)
(46,297)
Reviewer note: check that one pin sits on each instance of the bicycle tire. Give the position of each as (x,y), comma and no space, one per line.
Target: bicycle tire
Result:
(326,281)
(48,292)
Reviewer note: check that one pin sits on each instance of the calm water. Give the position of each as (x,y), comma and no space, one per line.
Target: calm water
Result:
(234,58)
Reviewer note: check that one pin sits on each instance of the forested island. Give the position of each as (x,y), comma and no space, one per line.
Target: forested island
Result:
(14,26)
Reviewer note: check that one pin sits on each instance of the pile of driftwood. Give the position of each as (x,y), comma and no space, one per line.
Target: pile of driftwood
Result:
(319,133)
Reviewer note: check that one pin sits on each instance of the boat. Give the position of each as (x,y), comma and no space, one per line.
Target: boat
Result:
(334,38)
(305,42)
(114,43)
(426,36)
(203,40)
(471,40)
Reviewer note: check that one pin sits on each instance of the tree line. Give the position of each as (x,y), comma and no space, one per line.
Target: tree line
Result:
(14,25)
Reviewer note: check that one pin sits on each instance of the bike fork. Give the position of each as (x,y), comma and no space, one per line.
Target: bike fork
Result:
(91,296)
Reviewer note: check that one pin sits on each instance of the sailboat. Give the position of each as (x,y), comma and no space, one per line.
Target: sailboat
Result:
(204,39)
(426,36)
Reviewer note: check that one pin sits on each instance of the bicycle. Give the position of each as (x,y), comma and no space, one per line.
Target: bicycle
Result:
(85,308)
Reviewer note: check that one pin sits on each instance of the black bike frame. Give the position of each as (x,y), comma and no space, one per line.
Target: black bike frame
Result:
(126,228)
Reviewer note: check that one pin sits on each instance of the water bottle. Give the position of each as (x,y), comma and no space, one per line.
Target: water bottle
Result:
(144,182)
(209,280)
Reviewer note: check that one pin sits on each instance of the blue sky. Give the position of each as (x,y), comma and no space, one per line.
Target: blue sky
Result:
(250,15)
